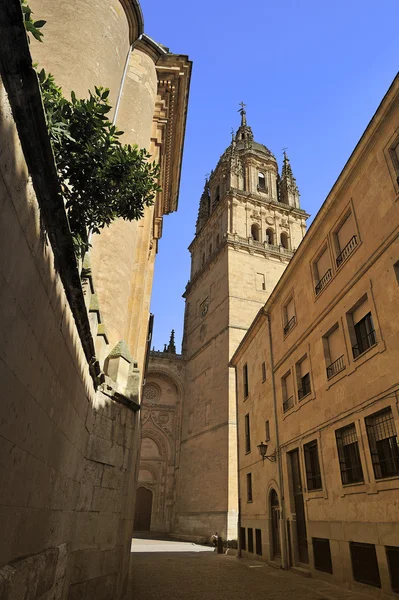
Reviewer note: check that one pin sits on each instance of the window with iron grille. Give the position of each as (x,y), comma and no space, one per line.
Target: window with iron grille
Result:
(365,564)
(250,539)
(263,371)
(258,541)
(243,540)
(304,390)
(313,475)
(322,555)
(383,442)
(247,434)
(348,454)
(267,431)
(393,565)
(365,335)
(249,487)
(245,379)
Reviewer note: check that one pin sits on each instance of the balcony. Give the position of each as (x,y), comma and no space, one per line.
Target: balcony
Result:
(304,390)
(264,246)
(323,281)
(364,344)
(336,367)
(290,325)
(288,403)
(347,251)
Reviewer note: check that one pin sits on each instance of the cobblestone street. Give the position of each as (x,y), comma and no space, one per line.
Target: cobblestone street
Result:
(166,570)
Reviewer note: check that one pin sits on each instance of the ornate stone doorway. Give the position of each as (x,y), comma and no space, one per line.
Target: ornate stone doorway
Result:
(275,519)
(142,517)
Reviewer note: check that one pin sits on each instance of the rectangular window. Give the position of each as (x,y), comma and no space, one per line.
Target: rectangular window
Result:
(303,377)
(313,475)
(364,564)
(249,487)
(345,240)
(396,269)
(247,434)
(364,332)
(348,455)
(383,442)
(258,542)
(394,154)
(288,393)
(245,379)
(322,271)
(263,372)
(322,555)
(289,316)
(267,431)
(243,540)
(250,539)
(393,566)
(260,282)
(333,348)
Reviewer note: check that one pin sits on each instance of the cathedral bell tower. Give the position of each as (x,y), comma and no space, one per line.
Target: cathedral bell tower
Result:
(249,224)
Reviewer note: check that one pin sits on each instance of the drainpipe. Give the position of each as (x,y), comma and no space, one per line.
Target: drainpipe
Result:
(239,554)
(284,549)
(129,53)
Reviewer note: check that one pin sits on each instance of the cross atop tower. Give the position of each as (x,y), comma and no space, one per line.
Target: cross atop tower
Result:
(243,113)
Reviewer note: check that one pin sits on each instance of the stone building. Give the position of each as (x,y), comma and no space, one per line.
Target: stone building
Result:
(318,384)
(249,224)
(73,351)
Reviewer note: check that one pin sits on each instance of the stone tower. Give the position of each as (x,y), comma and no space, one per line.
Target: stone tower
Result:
(249,224)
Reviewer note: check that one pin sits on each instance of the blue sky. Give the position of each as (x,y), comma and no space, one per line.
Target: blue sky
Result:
(312,74)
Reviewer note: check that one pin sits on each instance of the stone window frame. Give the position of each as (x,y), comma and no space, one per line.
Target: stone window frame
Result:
(346,212)
(325,246)
(284,316)
(392,161)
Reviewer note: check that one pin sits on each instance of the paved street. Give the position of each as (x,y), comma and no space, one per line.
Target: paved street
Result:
(168,570)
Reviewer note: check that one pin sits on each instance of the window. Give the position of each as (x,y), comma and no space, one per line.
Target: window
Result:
(263,372)
(247,435)
(345,239)
(333,345)
(249,488)
(270,236)
(210,249)
(260,282)
(313,475)
(364,563)
(289,316)
(203,258)
(288,393)
(383,442)
(258,542)
(348,455)
(261,181)
(245,379)
(284,240)
(394,154)
(322,271)
(322,555)
(255,232)
(303,378)
(364,331)
(393,565)
(267,431)
(217,240)
(243,540)
(217,195)
(250,539)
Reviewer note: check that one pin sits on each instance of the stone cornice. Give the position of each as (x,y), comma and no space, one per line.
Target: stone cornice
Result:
(134,17)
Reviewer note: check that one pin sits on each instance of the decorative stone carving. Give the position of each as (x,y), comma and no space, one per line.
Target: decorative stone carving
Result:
(270,220)
(151,391)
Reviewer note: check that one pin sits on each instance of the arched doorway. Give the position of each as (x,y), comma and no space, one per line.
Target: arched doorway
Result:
(284,240)
(275,522)
(255,232)
(142,516)
(270,236)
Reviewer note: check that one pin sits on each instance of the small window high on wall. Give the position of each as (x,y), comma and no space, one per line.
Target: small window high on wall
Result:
(270,236)
(284,240)
(255,232)
(261,181)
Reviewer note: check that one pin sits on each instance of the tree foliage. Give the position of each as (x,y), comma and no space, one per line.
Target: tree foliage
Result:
(31,26)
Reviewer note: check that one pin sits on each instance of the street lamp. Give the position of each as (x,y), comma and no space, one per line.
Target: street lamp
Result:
(262,451)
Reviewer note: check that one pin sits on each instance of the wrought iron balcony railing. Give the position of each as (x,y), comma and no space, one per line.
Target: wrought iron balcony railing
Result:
(335,367)
(304,391)
(323,281)
(288,403)
(289,325)
(347,251)
(364,344)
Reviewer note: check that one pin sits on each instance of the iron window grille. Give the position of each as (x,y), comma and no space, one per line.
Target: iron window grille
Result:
(245,378)
(347,251)
(322,555)
(393,566)
(290,324)
(365,336)
(258,542)
(383,444)
(250,539)
(336,367)
(305,389)
(288,403)
(323,281)
(348,454)
(247,434)
(313,474)
(249,488)
(365,564)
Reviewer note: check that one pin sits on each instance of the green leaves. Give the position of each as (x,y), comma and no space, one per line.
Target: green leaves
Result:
(101,179)
(30,25)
